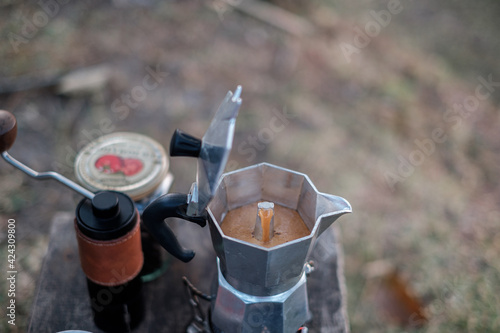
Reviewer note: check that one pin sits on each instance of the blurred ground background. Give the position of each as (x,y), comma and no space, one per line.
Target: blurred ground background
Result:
(351,123)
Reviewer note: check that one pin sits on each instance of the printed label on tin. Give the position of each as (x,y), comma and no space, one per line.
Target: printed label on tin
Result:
(111,164)
(124,162)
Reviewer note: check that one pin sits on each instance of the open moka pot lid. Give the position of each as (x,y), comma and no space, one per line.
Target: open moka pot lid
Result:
(212,152)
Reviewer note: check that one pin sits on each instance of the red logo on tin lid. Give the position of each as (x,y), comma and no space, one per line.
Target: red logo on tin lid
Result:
(111,164)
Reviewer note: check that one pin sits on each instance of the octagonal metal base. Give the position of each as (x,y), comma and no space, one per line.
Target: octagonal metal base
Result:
(233,311)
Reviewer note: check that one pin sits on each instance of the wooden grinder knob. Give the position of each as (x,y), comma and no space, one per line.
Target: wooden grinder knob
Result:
(8,130)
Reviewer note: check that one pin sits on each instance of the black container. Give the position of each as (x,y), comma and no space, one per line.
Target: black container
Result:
(108,217)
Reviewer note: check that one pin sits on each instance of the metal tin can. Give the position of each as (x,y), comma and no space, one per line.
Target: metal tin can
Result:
(130,163)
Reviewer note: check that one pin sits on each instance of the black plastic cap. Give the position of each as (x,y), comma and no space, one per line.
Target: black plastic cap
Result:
(105,205)
(108,216)
(183,144)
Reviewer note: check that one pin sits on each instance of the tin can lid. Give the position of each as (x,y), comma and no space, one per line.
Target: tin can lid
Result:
(125,162)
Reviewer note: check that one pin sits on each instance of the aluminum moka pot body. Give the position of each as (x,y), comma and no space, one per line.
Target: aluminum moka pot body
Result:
(252,276)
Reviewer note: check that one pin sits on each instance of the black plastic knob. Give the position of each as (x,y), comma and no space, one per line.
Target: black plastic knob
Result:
(183,144)
(110,215)
(105,205)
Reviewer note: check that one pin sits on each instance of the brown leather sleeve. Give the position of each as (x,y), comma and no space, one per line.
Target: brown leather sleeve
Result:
(111,263)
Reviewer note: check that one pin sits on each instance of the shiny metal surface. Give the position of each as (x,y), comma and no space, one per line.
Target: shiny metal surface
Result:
(258,230)
(215,149)
(47,175)
(236,312)
(260,271)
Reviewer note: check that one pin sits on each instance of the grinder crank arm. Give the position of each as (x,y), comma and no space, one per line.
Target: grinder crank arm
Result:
(170,205)
(8,134)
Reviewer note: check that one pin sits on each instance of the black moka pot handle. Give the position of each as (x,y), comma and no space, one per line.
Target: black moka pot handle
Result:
(170,205)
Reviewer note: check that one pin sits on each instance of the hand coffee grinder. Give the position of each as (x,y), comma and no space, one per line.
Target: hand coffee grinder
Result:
(264,221)
(109,243)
